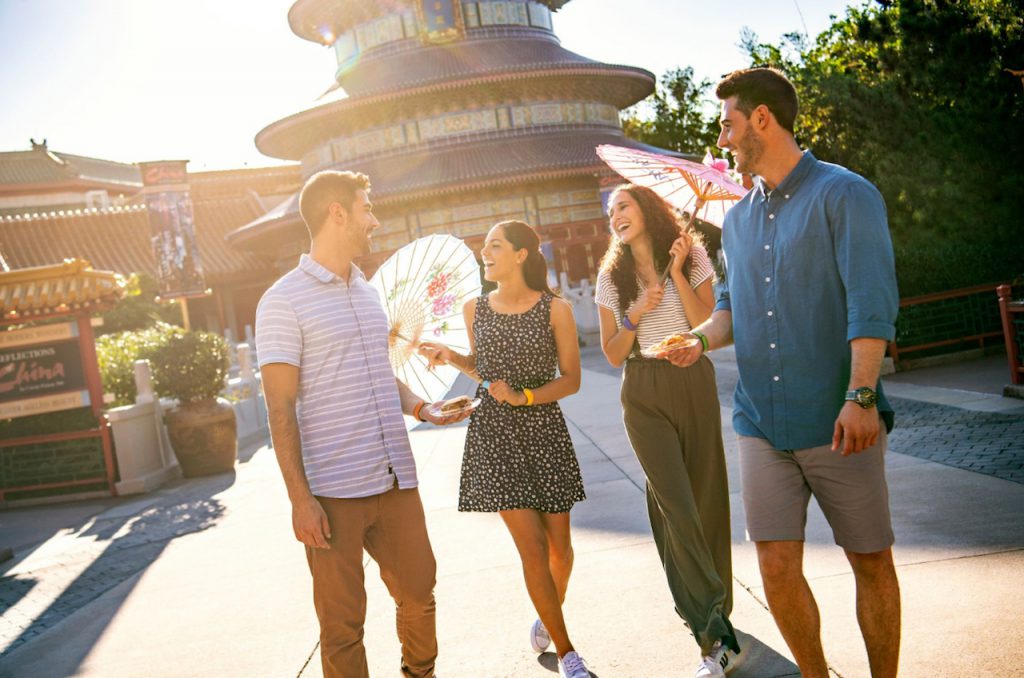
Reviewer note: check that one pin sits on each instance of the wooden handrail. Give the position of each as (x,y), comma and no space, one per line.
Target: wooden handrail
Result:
(949,294)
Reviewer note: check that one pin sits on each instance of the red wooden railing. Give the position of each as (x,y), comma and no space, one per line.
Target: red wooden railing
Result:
(1007,308)
(897,351)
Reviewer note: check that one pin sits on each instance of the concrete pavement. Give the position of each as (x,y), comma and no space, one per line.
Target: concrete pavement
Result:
(203,578)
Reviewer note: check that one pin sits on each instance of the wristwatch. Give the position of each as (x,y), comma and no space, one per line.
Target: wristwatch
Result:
(863,396)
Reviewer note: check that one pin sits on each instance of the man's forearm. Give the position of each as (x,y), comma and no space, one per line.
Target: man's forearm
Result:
(866,361)
(409,399)
(717,329)
(284,433)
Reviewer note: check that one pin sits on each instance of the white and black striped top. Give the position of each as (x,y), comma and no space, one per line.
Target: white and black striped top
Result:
(354,442)
(670,316)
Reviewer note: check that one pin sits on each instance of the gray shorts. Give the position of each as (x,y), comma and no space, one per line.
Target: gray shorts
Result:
(851,491)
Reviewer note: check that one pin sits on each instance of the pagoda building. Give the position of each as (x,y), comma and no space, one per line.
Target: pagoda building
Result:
(463,114)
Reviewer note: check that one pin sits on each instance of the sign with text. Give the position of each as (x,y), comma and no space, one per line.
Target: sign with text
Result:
(41,371)
(441,20)
(172,229)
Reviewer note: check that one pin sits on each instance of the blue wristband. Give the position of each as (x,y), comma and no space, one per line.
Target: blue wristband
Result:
(628,324)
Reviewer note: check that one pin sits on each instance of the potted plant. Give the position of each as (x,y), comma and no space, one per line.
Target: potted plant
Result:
(191,367)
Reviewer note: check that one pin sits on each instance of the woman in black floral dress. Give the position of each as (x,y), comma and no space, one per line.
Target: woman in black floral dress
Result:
(519,459)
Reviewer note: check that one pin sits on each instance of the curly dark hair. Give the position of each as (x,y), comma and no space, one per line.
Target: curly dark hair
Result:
(663,228)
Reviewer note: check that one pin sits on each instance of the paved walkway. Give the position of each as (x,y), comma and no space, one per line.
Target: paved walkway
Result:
(203,578)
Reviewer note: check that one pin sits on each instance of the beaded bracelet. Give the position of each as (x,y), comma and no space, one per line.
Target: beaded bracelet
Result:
(628,324)
(416,411)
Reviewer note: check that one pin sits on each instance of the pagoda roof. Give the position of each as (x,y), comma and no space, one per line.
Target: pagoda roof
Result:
(512,50)
(41,168)
(321,20)
(118,238)
(66,287)
(434,170)
(463,68)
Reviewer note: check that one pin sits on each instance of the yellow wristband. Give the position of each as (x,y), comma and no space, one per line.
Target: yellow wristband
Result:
(529,396)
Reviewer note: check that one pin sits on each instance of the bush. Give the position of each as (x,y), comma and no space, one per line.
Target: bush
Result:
(189,366)
(927,266)
(117,354)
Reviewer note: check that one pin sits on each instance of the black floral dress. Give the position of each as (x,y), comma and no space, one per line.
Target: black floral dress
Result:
(517,457)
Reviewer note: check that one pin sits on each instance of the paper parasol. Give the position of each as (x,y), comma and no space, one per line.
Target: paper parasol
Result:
(702,191)
(423,287)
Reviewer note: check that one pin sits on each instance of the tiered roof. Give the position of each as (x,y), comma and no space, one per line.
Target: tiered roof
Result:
(118,238)
(67,287)
(41,168)
(320,20)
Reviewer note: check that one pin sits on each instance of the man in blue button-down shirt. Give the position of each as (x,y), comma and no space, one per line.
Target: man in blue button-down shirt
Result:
(810,300)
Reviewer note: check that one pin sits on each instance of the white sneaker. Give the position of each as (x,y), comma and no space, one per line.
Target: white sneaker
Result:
(721,660)
(539,638)
(572,666)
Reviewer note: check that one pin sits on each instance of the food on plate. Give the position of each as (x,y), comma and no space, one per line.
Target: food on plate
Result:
(673,342)
(456,404)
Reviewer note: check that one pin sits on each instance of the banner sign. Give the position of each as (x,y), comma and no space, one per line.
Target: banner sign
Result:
(441,20)
(172,229)
(41,371)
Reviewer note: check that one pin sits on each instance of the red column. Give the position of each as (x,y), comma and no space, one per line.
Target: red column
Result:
(91,367)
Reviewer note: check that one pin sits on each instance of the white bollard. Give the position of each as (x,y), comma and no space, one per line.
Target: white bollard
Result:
(143,382)
(245,362)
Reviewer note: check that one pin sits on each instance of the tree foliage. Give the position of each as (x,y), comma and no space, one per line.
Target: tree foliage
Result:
(140,308)
(679,116)
(914,95)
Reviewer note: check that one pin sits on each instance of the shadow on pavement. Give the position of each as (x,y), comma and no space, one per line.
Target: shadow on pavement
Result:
(117,548)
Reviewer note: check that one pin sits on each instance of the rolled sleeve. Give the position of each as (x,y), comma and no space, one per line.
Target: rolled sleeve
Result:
(865,261)
(278,337)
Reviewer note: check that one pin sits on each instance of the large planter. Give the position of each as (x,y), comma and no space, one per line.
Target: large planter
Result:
(204,437)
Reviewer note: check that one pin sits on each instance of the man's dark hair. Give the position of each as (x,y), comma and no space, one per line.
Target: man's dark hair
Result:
(326,187)
(755,86)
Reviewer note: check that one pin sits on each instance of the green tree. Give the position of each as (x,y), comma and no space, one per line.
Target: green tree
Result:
(139,308)
(679,116)
(913,95)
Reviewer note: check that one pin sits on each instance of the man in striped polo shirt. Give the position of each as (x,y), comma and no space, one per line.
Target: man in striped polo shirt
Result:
(335,411)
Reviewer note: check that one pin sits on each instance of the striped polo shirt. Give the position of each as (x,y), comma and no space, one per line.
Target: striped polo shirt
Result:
(354,442)
(669,317)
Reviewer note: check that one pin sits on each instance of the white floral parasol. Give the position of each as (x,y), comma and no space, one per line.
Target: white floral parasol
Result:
(423,287)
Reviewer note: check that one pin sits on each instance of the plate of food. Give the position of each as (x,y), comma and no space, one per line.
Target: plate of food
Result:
(670,343)
(453,406)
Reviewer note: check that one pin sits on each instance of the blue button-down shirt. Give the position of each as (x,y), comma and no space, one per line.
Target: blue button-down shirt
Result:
(809,267)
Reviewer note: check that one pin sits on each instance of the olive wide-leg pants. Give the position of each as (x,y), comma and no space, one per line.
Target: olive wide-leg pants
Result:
(674,424)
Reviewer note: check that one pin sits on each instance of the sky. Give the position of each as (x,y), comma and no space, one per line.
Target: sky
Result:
(134,80)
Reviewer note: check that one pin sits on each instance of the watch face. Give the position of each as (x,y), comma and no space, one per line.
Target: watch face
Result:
(866,397)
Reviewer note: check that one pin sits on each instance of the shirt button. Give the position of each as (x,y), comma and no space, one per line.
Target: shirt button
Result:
(771,313)
(776,378)
(787,196)
(772,345)
(767,247)
(768,279)
(771,216)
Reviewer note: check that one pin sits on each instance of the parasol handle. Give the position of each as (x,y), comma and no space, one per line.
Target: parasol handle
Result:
(689,220)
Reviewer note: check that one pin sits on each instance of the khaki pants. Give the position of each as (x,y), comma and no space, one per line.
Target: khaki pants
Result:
(674,424)
(391,527)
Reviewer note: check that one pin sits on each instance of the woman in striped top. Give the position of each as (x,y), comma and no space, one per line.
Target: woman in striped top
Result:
(671,414)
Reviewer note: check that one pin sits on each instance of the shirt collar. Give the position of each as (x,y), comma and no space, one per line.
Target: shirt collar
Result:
(795,177)
(321,273)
